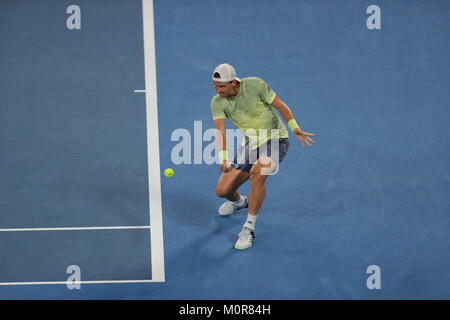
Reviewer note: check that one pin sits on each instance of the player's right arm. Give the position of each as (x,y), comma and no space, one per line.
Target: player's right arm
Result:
(221,143)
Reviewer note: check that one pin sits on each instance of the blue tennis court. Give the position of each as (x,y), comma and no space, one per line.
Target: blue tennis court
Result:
(92,92)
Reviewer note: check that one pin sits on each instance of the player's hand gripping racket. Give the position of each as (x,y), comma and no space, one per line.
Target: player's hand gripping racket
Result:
(238,155)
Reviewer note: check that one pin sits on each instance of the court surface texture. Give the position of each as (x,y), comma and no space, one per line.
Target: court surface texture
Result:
(93,92)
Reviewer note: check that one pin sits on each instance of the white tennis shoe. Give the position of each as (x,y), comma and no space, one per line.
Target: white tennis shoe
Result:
(246,237)
(229,207)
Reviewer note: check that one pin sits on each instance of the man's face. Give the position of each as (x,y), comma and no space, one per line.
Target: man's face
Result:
(224,89)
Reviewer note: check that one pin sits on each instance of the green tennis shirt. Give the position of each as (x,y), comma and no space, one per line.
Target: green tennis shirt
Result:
(251,111)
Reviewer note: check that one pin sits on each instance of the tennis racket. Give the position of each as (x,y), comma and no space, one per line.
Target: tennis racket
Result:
(240,151)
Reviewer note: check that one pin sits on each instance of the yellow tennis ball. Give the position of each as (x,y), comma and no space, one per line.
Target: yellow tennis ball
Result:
(168,172)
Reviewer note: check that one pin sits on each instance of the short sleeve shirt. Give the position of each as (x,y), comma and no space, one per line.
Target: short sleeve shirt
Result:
(251,111)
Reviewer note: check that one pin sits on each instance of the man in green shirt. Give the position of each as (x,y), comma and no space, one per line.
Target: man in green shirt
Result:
(250,105)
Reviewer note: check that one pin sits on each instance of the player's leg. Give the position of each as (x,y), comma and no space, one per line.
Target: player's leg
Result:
(269,158)
(258,176)
(227,187)
(229,183)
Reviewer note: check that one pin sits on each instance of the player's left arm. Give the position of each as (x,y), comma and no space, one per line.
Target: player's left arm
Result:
(286,113)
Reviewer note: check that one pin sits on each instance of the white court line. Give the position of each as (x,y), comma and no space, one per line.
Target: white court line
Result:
(72,282)
(139,91)
(154,172)
(75,228)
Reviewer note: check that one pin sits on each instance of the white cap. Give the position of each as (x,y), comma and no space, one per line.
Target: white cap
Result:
(226,72)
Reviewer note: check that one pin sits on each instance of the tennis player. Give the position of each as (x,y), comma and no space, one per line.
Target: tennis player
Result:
(250,105)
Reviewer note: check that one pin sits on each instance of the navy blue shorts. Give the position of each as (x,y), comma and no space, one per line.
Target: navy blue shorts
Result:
(276,149)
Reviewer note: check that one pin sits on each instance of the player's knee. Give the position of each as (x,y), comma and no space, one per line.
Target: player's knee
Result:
(263,167)
(265,162)
(222,192)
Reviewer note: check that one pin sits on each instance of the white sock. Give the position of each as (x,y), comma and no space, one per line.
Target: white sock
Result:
(250,223)
(240,202)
